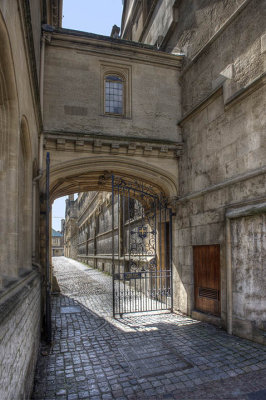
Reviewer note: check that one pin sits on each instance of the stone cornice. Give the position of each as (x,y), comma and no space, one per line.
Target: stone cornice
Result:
(56,11)
(127,23)
(104,144)
(221,185)
(239,95)
(245,91)
(214,94)
(106,46)
(16,292)
(247,210)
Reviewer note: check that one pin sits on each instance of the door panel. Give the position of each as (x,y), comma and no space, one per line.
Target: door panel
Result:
(207,278)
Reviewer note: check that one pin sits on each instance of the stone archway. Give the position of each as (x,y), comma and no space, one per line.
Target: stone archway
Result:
(76,173)
(94,172)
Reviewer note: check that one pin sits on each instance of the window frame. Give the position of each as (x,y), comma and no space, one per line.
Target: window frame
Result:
(123,72)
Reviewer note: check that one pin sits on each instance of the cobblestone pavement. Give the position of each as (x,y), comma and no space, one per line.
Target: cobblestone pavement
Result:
(151,356)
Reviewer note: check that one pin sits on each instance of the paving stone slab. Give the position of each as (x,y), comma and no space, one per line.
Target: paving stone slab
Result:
(141,356)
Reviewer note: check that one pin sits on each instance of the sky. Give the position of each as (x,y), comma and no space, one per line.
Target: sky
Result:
(58,212)
(92,16)
(95,17)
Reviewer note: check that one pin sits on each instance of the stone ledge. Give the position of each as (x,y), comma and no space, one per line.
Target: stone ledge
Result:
(78,142)
(15,294)
(231,95)
(90,43)
(212,319)
(248,330)
(222,185)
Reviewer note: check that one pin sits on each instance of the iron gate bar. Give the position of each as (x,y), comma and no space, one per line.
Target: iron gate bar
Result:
(165,252)
(118,245)
(48,322)
(160,230)
(171,257)
(124,246)
(113,246)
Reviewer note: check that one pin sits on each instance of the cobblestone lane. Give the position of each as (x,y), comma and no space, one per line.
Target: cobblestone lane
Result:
(151,356)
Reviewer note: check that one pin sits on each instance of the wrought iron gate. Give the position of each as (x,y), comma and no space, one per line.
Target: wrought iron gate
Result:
(142,248)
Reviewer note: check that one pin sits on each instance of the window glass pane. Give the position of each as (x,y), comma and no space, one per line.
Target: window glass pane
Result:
(113,78)
(113,94)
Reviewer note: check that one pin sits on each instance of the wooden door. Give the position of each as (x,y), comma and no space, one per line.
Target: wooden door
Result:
(207,278)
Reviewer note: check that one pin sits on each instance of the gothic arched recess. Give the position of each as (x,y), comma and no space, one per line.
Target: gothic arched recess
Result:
(24,197)
(9,133)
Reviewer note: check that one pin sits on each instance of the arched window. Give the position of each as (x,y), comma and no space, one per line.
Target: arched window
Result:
(114,95)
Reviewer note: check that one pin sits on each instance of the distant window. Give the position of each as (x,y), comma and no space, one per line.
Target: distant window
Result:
(114,95)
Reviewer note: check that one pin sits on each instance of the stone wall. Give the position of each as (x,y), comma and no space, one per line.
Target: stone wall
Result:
(19,339)
(36,18)
(20,123)
(233,55)
(249,276)
(164,17)
(201,221)
(74,246)
(95,230)
(223,128)
(70,227)
(76,105)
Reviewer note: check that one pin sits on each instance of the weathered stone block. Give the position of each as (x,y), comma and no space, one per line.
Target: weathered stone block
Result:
(20,331)
(187,275)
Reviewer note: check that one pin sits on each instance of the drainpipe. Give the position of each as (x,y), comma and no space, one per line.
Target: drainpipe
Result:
(40,171)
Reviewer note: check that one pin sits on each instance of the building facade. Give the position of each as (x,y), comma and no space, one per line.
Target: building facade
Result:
(177,101)
(220,211)
(57,243)
(70,228)
(94,245)
(21,84)
(219,228)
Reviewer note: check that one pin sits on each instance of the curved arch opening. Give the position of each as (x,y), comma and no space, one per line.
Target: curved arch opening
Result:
(94,174)
(118,224)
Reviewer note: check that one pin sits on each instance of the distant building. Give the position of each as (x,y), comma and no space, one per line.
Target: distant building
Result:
(70,228)
(94,244)
(57,243)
